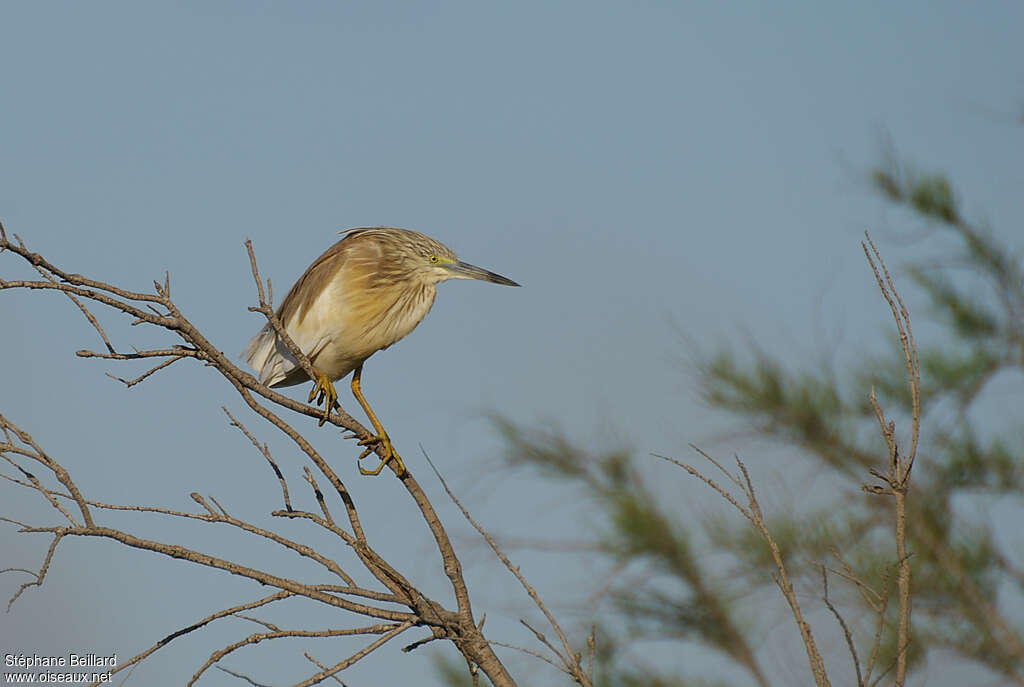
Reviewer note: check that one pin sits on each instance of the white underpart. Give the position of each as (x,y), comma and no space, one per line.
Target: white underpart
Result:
(322,335)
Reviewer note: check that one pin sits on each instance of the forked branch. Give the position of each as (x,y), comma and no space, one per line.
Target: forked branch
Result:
(897,477)
(752,512)
(568,661)
(396,602)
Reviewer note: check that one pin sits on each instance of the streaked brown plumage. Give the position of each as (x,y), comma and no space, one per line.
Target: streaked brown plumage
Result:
(363,294)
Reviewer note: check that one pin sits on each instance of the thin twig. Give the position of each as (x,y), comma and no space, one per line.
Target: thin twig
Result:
(265,452)
(160,311)
(387,629)
(569,659)
(240,676)
(38,582)
(321,666)
(898,478)
(842,624)
(202,623)
(781,577)
(341,665)
(145,375)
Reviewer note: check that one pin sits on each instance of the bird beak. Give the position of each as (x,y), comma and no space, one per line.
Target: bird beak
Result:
(463,270)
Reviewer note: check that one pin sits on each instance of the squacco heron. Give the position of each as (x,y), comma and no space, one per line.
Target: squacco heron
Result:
(363,294)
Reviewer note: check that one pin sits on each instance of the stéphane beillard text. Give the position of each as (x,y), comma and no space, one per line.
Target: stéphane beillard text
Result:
(75,660)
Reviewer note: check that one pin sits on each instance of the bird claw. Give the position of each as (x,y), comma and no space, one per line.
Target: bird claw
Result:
(383,439)
(387,453)
(325,394)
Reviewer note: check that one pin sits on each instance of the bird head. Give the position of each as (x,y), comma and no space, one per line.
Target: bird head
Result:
(436,262)
(414,258)
(448,266)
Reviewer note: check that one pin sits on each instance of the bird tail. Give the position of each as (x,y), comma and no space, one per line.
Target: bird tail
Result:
(269,357)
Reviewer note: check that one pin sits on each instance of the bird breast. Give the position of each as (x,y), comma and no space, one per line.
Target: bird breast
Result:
(358,315)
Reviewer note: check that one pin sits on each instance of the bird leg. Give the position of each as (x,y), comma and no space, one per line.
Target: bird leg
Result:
(325,387)
(388,453)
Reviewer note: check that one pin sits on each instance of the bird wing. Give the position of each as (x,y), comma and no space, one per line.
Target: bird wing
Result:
(351,302)
(269,356)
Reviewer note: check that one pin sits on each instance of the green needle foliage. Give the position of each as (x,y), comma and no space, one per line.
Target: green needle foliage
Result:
(963,584)
(959,575)
(640,529)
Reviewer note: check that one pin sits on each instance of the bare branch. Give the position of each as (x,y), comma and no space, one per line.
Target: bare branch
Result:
(570,660)
(159,310)
(842,624)
(240,676)
(85,311)
(389,630)
(308,474)
(898,478)
(338,667)
(37,261)
(321,666)
(132,382)
(711,483)
(267,309)
(277,596)
(265,451)
(38,582)
(530,652)
(781,577)
(59,472)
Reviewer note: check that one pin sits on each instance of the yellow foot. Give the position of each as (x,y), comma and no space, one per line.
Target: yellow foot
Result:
(328,397)
(389,455)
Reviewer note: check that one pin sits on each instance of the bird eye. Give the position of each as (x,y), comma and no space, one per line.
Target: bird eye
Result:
(434,259)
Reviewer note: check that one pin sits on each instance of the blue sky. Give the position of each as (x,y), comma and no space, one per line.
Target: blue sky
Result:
(649,171)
